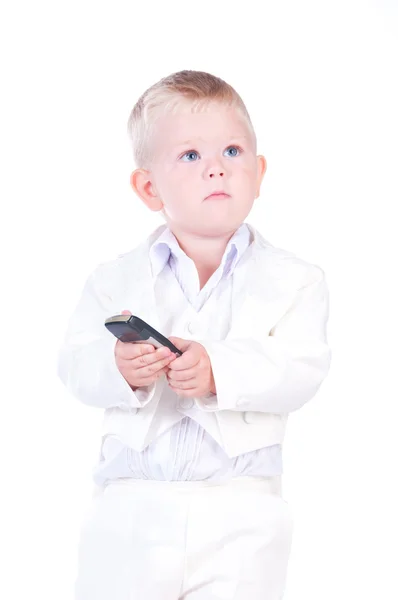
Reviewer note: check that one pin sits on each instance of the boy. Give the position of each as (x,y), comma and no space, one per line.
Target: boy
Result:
(189,502)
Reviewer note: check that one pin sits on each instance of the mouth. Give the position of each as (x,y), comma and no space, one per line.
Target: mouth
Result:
(217,196)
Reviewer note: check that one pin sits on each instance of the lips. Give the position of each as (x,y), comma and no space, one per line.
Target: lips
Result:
(217,195)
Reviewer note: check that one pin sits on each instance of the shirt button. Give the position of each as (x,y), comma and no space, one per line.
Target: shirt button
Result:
(190,327)
(186,403)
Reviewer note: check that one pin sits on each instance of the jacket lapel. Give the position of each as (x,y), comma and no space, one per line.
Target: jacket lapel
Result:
(137,289)
(262,293)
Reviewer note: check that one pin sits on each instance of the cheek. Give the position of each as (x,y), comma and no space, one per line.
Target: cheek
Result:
(170,183)
(178,192)
(247,176)
(180,182)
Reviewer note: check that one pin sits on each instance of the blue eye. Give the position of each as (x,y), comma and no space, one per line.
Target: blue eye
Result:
(187,157)
(233,148)
(190,153)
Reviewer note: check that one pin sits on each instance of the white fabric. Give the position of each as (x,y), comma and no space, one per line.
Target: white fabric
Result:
(186,451)
(221,536)
(153,540)
(269,356)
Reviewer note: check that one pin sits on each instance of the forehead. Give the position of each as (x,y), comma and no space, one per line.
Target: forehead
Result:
(214,122)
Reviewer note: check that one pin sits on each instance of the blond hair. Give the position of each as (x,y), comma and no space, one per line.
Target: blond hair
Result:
(167,95)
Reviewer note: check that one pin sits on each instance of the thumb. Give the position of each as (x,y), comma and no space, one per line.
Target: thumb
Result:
(126,312)
(180,343)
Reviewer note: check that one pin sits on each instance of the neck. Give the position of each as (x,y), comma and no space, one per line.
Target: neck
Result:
(206,251)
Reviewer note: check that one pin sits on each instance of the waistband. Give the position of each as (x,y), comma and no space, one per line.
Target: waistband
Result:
(272,485)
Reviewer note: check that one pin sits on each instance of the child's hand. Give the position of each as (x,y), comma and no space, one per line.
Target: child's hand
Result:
(191,374)
(141,364)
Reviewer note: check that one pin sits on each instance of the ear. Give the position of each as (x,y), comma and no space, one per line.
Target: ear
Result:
(141,181)
(261,169)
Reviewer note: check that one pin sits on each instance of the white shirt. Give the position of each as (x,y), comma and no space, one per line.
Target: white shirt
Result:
(186,451)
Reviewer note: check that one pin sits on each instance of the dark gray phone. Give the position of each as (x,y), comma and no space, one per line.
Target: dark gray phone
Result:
(128,328)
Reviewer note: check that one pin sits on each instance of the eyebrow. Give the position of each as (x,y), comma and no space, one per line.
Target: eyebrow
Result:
(193,142)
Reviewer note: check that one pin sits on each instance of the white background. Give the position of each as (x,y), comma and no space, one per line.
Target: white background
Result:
(320,82)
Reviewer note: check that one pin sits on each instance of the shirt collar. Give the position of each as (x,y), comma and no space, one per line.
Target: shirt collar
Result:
(167,244)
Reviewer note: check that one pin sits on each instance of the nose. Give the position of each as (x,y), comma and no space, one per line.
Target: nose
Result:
(214,171)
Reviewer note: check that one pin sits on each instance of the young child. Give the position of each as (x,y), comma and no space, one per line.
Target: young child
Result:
(188,501)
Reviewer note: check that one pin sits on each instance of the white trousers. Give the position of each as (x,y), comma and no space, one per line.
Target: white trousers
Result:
(185,540)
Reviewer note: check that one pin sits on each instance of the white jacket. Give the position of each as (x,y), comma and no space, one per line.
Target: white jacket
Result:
(272,361)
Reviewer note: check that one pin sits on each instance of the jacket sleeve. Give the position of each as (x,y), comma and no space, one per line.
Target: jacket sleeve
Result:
(86,359)
(282,372)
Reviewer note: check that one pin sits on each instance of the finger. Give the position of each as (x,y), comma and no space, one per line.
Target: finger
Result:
(179,343)
(153,361)
(154,368)
(183,375)
(183,385)
(129,350)
(188,360)
(150,379)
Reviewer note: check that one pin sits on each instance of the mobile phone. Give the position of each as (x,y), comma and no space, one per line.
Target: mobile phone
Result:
(128,328)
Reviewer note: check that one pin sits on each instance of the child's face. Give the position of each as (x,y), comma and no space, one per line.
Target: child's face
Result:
(196,154)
